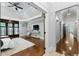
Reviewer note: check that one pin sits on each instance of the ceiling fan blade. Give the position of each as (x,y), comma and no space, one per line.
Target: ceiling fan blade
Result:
(19,7)
(10,3)
(11,6)
(15,5)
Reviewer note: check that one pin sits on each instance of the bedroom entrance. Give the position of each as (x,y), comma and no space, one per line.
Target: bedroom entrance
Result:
(22,27)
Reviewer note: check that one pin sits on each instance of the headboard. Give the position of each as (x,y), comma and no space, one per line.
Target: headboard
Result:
(1,37)
(9,36)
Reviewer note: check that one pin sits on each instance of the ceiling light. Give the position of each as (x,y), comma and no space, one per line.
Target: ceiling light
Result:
(57,18)
(19,10)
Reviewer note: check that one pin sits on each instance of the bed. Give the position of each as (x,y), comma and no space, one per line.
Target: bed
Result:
(19,44)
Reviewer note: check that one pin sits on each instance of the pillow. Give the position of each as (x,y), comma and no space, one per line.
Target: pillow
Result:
(7,43)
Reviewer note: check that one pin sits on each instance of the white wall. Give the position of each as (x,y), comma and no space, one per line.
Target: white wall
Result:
(58,31)
(22,28)
(38,21)
(77,31)
(50,42)
(25,27)
(50,21)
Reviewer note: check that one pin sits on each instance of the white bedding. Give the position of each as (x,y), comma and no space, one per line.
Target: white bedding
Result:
(19,45)
(7,43)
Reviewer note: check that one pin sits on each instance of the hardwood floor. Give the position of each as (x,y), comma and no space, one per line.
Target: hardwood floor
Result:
(62,46)
(37,50)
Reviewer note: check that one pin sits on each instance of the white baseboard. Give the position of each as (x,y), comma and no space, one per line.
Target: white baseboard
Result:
(50,49)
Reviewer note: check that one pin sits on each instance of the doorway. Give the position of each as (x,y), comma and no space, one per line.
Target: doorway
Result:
(67,37)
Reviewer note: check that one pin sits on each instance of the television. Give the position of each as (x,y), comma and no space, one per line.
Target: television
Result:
(35,27)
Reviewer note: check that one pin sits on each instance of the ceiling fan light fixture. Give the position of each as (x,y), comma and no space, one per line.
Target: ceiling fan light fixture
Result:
(19,10)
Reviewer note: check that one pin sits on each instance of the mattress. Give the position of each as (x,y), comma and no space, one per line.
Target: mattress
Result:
(20,44)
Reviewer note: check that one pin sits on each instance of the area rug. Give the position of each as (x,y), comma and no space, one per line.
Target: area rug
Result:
(20,44)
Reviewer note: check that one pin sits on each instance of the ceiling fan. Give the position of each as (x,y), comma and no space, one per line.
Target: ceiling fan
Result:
(16,5)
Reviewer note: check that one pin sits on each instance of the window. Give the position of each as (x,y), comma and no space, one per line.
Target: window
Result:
(16,29)
(2,28)
(10,29)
